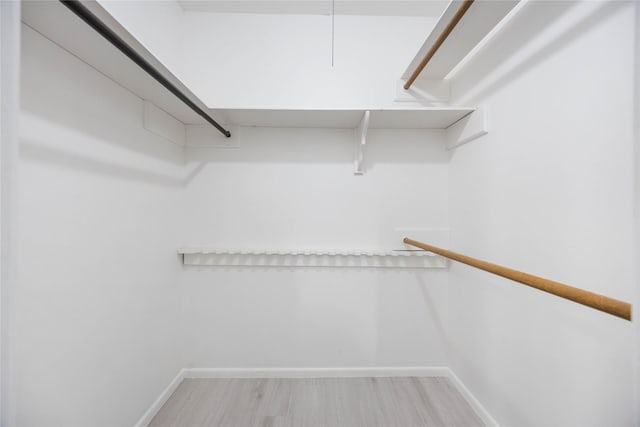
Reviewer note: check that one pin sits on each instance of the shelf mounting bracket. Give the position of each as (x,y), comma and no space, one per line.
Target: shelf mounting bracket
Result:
(359,143)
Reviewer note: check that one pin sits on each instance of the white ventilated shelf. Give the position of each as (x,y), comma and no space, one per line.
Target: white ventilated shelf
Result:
(206,256)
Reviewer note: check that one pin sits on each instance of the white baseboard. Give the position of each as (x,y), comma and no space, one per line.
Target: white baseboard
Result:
(161,400)
(338,372)
(482,412)
(344,372)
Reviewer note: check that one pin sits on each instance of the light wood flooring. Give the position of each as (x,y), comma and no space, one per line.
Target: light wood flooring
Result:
(267,402)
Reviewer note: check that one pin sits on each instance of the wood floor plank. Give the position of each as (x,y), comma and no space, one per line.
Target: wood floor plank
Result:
(316,402)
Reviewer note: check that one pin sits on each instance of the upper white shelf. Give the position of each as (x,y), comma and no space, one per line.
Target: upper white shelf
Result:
(424,118)
(479,20)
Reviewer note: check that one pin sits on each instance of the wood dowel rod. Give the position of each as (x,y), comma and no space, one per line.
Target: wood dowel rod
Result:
(599,302)
(443,36)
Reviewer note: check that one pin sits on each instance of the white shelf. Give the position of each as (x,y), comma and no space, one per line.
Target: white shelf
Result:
(423,118)
(207,256)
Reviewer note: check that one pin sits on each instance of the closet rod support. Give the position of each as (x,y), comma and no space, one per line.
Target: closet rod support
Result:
(101,28)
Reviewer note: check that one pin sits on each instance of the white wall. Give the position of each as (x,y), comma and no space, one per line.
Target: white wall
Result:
(284,61)
(9,113)
(549,191)
(243,60)
(96,313)
(636,312)
(295,189)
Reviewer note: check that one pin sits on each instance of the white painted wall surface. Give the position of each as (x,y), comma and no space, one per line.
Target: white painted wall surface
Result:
(96,316)
(636,191)
(9,113)
(244,60)
(549,191)
(284,61)
(314,318)
(295,189)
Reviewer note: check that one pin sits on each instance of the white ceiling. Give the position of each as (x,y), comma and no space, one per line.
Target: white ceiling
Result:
(320,7)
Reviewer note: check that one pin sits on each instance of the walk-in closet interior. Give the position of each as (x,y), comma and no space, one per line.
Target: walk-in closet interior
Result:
(327,213)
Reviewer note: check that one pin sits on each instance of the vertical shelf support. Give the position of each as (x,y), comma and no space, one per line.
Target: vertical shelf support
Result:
(360,142)
(468,128)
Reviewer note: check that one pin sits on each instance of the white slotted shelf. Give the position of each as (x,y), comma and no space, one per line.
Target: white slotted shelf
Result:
(208,256)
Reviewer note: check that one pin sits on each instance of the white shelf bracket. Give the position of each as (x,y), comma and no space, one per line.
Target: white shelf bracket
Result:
(470,127)
(360,142)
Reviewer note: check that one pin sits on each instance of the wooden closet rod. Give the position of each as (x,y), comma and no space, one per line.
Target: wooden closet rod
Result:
(599,302)
(443,36)
(101,28)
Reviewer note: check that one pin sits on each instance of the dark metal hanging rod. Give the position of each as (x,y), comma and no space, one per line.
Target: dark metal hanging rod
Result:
(94,22)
